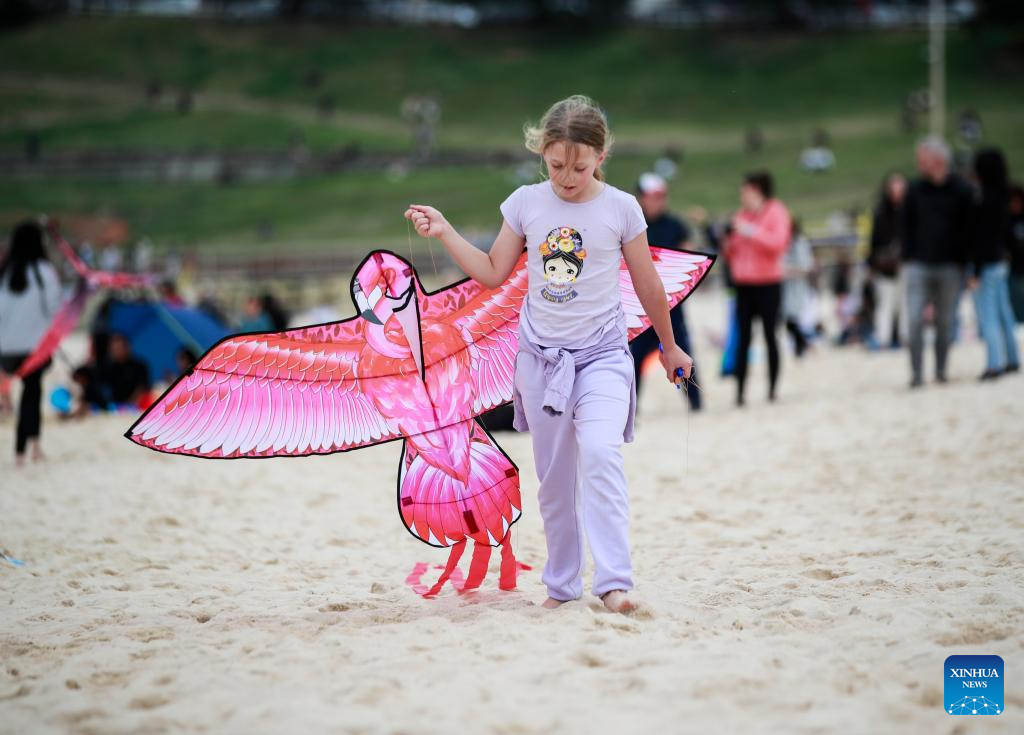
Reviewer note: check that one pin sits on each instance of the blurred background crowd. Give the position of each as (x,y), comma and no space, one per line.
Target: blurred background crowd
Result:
(248,153)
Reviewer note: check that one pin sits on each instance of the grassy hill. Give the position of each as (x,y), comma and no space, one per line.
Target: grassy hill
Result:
(80,85)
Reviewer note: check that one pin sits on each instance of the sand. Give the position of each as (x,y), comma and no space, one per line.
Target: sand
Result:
(804,567)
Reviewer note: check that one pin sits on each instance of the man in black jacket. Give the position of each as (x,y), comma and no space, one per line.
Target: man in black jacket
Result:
(936,225)
(666,231)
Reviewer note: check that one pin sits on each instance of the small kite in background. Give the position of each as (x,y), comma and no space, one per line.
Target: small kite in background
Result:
(411,365)
(67,316)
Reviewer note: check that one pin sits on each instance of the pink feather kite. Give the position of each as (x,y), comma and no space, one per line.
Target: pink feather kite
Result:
(411,365)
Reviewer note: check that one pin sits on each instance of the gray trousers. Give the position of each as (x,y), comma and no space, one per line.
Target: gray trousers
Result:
(939,285)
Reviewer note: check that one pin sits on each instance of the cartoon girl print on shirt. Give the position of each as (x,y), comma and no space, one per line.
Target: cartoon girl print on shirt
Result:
(563,256)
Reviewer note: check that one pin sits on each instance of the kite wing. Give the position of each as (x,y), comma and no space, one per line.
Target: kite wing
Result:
(487,323)
(681,271)
(273,394)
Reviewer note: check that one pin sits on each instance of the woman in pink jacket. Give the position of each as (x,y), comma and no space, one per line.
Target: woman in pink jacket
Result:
(758,237)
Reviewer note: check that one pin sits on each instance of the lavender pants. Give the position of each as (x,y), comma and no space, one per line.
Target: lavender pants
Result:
(579,464)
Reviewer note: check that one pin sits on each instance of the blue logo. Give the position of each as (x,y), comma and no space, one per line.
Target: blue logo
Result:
(974,685)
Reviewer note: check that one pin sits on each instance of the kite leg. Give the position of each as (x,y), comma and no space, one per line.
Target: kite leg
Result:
(509,565)
(440,508)
(478,566)
(451,566)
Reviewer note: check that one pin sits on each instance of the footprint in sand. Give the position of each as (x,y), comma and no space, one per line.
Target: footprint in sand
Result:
(151,701)
(21,691)
(972,634)
(148,635)
(824,574)
(75,718)
(640,611)
(590,660)
(109,678)
(930,697)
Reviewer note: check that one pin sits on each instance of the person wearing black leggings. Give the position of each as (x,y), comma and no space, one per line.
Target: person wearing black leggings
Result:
(763,302)
(30,405)
(759,235)
(29,298)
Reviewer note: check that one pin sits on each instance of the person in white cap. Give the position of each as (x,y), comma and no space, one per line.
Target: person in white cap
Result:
(666,231)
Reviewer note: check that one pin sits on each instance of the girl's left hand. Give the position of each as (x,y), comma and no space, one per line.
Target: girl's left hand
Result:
(673,358)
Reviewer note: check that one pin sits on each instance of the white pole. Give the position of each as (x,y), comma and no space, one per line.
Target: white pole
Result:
(937,66)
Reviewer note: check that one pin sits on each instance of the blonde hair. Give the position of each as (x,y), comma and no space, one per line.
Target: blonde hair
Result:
(574,120)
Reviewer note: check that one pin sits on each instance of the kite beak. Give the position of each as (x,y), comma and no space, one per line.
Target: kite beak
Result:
(383,285)
(366,304)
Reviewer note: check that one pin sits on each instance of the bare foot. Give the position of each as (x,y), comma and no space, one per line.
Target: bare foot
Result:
(19,460)
(37,453)
(618,602)
(551,603)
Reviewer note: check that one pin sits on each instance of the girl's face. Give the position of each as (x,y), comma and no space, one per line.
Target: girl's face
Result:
(571,168)
(560,271)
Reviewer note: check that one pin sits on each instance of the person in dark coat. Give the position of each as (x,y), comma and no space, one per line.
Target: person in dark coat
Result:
(666,231)
(936,227)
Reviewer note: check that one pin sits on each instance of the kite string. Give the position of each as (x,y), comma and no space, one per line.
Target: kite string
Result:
(408,234)
(689,410)
(176,328)
(686,388)
(430,249)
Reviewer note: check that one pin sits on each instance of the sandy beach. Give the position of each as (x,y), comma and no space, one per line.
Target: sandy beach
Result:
(804,567)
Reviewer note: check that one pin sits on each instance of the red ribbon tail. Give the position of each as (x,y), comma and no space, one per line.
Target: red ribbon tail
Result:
(453,561)
(509,565)
(478,566)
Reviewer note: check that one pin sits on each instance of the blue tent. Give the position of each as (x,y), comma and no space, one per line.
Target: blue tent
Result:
(158,331)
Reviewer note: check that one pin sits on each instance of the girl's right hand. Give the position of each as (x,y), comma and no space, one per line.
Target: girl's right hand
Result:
(428,221)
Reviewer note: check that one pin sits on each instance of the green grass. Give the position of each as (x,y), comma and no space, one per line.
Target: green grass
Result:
(80,83)
(162,130)
(493,76)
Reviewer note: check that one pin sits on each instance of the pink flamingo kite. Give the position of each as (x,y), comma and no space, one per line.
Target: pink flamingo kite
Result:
(411,365)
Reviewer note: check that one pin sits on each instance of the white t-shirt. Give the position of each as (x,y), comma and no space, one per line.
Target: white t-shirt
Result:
(574,255)
(25,316)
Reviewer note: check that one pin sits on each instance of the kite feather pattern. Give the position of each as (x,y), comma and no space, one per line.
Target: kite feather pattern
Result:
(411,365)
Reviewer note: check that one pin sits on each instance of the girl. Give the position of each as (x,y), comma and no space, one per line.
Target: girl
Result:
(29,297)
(574,387)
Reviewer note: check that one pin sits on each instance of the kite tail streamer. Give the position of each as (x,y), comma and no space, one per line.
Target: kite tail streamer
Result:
(510,568)
(509,565)
(451,567)
(64,322)
(478,566)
